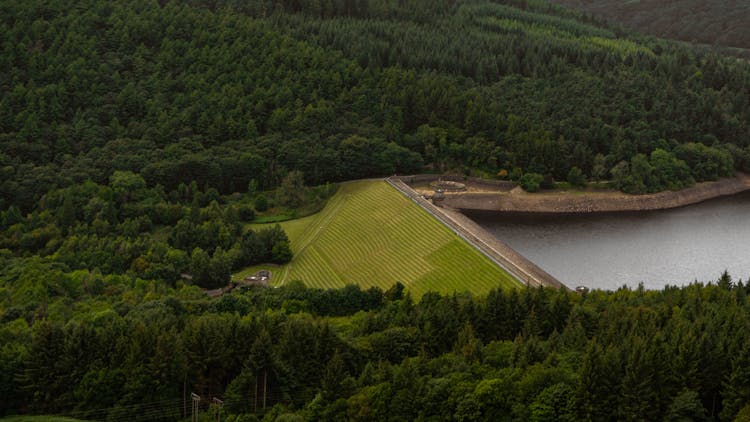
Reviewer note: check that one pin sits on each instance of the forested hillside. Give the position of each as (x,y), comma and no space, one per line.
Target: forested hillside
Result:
(223,92)
(134,352)
(719,23)
(138,139)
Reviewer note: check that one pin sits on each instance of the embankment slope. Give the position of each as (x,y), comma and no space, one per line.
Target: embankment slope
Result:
(492,247)
(371,235)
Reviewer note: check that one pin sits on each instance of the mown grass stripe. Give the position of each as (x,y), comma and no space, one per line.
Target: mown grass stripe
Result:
(370,234)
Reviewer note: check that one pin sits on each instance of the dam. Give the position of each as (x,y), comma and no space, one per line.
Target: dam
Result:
(601,239)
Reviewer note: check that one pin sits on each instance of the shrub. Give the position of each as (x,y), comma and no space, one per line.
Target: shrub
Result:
(261,203)
(576,178)
(530,182)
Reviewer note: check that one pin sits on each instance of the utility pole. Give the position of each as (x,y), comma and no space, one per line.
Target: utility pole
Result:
(184,396)
(196,403)
(219,407)
(265,385)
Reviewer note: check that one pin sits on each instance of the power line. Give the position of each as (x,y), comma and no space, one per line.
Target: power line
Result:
(219,407)
(103,412)
(194,410)
(176,406)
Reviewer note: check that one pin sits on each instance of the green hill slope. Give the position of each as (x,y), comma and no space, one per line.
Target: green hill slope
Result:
(223,92)
(371,235)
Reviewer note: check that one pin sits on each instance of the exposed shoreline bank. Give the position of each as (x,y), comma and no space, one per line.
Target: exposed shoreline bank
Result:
(582,202)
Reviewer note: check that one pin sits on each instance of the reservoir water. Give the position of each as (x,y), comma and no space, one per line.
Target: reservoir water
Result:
(607,251)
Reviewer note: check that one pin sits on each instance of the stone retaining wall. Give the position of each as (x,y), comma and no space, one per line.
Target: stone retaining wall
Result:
(501,185)
(427,178)
(578,202)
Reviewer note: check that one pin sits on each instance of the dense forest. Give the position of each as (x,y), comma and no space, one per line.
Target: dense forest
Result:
(124,228)
(135,351)
(717,23)
(223,92)
(138,140)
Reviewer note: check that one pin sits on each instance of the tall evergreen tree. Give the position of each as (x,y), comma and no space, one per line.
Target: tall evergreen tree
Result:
(736,389)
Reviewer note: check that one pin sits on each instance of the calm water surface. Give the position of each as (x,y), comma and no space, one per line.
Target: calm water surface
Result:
(657,248)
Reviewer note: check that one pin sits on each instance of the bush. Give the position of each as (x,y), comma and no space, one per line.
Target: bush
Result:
(576,178)
(530,182)
(247,213)
(281,253)
(261,203)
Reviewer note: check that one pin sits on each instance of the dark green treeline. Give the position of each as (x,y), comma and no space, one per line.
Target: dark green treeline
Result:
(224,92)
(348,354)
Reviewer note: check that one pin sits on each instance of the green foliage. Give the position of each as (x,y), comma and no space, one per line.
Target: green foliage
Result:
(125,127)
(335,374)
(291,191)
(662,170)
(531,182)
(511,355)
(736,391)
(303,86)
(686,407)
(705,163)
(554,403)
(281,253)
(576,177)
(599,170)
(261,203)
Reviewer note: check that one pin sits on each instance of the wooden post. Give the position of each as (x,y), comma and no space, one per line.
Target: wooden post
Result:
(184,396)
(265,385)
(219,406)
(196,402)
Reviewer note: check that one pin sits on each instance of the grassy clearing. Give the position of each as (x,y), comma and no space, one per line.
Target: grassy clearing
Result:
(371,235)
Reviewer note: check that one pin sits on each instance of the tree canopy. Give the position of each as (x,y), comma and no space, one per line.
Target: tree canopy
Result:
(226,92)
(519,355)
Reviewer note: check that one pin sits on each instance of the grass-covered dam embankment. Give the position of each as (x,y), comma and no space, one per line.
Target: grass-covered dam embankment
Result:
(371,235)
(498,251)
(564,201)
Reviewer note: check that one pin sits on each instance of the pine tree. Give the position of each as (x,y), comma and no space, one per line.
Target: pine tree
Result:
(639,392)
(736,389)
(333,376)
(66,216)
(262,364)
(596,396)
(467,345)
(686,407)
(11,217)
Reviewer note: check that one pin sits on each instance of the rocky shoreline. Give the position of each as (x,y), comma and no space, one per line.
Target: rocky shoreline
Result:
(517,200)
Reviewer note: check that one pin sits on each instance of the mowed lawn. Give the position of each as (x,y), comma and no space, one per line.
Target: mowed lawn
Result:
(371,235)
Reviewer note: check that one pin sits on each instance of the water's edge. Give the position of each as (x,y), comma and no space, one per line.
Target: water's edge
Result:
(600,239)
(608,250)
(485,242)
(594,202)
